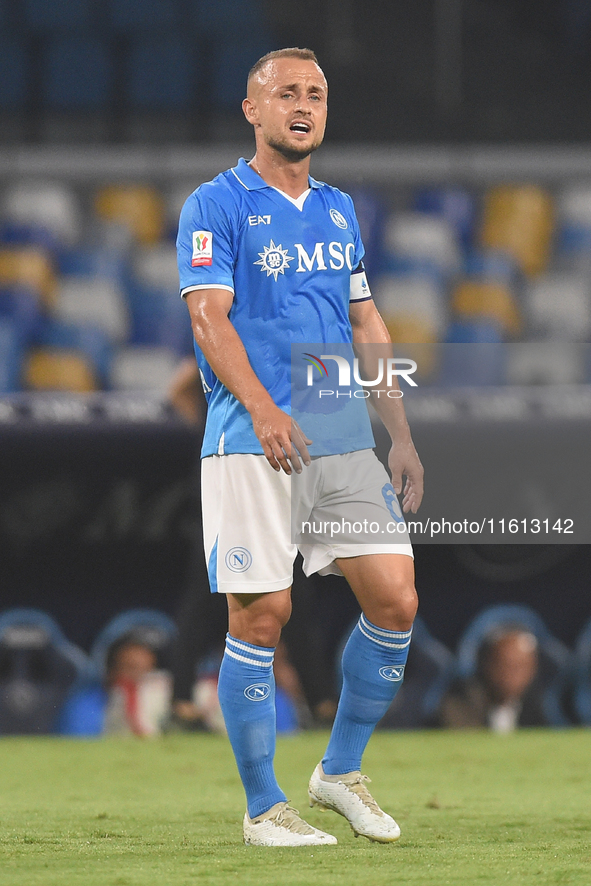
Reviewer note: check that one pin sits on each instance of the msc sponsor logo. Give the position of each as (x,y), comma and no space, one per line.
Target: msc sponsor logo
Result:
(274,260)
(238,559)
(339,220)
(334,256)
(258,691)
(395,675)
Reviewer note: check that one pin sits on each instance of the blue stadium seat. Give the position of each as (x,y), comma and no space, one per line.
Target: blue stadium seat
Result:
(14,73)
(77,74)
(428,672)
(161,74)
(148,626)
(17,234)
(473,355)
(231,62)
(582,676)
(159,317)
(455,204)
(11,356)
(554,657)
(22,307)
(93,343)
(229,19)
(128,16)
(39,669)
(58,15)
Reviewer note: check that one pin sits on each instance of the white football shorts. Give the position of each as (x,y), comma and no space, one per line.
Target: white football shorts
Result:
(253,516)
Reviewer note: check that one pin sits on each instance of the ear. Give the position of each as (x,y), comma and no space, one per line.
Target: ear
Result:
(250,111)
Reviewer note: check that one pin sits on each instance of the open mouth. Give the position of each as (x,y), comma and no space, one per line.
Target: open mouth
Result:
(300,126)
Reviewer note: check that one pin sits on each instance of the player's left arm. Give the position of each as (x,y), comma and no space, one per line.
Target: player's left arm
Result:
(370,338)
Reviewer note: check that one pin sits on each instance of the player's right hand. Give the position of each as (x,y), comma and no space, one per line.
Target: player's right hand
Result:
(281,438)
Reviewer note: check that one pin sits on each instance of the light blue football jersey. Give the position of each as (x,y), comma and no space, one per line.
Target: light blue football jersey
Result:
(290,269)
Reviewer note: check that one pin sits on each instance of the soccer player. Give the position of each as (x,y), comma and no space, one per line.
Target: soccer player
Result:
(269,257)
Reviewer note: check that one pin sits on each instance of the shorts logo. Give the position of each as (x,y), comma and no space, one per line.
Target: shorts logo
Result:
(395,675)
(339,220)
(258,691)
(392,502)
(202,248)
(238,559)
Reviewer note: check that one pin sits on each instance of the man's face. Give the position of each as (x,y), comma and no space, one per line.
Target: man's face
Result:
(287,105)
(512,666)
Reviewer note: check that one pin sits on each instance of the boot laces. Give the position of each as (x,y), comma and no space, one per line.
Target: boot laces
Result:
(289,818)
(358,787)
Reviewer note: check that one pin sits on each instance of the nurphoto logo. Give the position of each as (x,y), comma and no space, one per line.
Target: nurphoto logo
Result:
(394,367)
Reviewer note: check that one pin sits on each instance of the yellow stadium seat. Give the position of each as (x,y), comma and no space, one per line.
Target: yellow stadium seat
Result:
(419,337)
(139,207)
(518,219)
(493,301)
(30,267)
(52,369)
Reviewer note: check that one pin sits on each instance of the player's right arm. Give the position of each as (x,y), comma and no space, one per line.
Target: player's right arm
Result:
(224,351)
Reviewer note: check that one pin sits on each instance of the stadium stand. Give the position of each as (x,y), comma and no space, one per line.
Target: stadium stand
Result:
(138,207)
(90,710)
(102,261)
(518,219)
(582,676)
(77,74)
(554,657)
(152,627)
(39,670)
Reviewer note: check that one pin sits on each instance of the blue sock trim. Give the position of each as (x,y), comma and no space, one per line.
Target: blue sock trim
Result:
(259,656)
(389,639)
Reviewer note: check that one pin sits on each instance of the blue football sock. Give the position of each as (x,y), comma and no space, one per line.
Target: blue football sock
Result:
(246,690)
(373,669)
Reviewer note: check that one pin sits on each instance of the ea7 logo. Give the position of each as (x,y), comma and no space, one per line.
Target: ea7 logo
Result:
(257,691)
(395,675)
(259,220)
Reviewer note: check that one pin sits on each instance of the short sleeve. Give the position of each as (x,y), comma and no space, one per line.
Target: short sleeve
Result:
(205,243)
(359,247)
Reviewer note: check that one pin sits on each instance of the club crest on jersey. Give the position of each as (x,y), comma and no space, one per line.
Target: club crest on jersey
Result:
(339,220)
(274,260)
(202,248)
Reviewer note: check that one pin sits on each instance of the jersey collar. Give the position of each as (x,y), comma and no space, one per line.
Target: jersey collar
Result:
(252,181)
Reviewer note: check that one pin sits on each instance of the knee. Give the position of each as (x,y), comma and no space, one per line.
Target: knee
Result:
(260,627)
(397,611)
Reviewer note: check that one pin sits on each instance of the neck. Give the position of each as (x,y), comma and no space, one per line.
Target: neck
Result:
(289,176)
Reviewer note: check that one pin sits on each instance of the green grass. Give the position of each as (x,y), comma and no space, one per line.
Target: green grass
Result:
(473,808)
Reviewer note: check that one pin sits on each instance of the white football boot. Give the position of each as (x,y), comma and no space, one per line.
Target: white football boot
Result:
(282,826)
(347,795)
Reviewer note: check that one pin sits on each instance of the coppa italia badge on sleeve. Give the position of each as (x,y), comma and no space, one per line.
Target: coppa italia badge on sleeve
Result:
(202,248)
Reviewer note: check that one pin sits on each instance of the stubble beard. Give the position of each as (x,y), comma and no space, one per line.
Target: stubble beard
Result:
(291,154)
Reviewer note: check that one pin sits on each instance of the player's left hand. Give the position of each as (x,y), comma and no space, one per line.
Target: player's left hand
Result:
(403,460)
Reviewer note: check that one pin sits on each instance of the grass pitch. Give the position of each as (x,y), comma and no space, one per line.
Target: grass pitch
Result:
(473,808)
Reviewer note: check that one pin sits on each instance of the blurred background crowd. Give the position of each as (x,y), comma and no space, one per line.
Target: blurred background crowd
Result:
(461,129)
(89,286)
